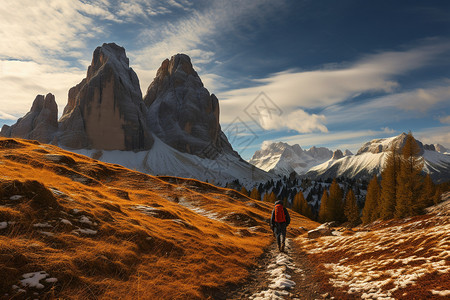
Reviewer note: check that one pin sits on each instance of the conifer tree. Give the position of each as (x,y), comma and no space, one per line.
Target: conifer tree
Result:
(244,191)
(428,192)
(438,195)
(409,180)
(389,184)
(272,198)
(371,206)
(336,202)
(300,205)
(325,214)
(255,194)
(351,209)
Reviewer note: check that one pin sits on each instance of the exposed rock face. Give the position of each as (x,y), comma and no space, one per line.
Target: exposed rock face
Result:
(105,110)
(337,154)
(181,111)
(384,145)
(320,152)
(441,149)
(347,152)
(40,123)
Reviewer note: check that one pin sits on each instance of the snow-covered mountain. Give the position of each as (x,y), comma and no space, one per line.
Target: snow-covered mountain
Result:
(371,157)
(282,159)
(162,159)
(174,130)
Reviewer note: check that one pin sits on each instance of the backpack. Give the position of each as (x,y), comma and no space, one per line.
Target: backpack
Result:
(279,214)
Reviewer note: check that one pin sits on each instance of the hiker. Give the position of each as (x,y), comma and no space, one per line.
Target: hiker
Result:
(278,222)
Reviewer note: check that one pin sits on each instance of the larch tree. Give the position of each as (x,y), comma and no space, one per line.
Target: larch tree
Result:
(428,192)
(325,214)
(371,206)
(272,198)
(336,202)
(409,180)
(255,194)
(300,205)
(351,208)
(389,184)
(244,191)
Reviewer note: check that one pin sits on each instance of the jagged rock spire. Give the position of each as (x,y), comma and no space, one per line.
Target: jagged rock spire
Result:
(105,110)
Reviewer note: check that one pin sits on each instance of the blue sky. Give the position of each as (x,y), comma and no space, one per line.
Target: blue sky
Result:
(323,73)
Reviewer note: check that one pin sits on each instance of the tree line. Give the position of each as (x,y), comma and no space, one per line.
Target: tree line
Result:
(403,191)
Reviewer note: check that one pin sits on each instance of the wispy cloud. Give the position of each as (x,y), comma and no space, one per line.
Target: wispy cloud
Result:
(396,106)
(193,33)
(296,91)
(434,135)
(445,120)
(5,116)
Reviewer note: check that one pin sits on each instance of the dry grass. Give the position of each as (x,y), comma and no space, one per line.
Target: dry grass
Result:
(107,232)
(397,259)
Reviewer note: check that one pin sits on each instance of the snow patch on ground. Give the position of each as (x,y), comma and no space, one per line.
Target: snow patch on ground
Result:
(33,279)
(85,231)
(279,279)
(42,225)
(441,293)
(376,264)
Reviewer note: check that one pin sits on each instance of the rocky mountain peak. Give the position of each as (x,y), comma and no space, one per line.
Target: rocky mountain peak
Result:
(347,152)
(182,113)
(40,123)
(384,145)
(320,152)
(441,149)
(105,110)
(337,154)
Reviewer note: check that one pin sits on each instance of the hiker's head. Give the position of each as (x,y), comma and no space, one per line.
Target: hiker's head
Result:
(279,202)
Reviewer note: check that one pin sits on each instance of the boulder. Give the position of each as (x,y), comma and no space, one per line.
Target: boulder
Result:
(318,232)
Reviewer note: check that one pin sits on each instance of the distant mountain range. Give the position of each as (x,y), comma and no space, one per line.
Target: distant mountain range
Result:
(173,130)
(321,163)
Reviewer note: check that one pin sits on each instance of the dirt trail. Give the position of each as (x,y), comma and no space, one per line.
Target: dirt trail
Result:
(286,275)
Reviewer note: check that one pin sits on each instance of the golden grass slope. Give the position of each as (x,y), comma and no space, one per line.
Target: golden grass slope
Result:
(73,227)
(396,259)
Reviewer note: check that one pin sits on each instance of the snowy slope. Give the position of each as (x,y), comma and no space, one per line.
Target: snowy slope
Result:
(282,159)
(165,160)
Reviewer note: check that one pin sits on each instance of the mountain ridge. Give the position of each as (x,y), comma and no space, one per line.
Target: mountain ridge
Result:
(106,112)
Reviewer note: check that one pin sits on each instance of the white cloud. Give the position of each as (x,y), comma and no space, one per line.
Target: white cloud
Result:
(391,107)
(435,135)
(40,30)
(445,120)
(5,116)
(298,120)
(421,99)
(21,81)
(292,90)
(193,33)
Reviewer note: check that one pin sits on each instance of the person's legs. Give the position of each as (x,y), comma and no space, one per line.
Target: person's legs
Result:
(283,237)
(278,232)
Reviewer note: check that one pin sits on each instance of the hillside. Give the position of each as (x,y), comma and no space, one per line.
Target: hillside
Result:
(396,259)
(74,227)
